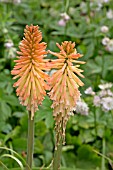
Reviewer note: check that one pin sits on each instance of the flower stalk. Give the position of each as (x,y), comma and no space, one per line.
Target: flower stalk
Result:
(30,141)
(31,84)
(57,156)
(64,91)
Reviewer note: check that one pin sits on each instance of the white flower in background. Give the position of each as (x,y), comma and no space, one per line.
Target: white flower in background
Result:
(109,46)
(64,19)
(12,52)
(106,1)
(8,44)
(109,92)
(99,6)
(65,16)
(61,22)
(105,41)
(102,93)
(107,103)
(105,86)
(11,1)
(104,29)
(89,90)
(105,92)
(83,7)
(96,5)
(103,1)
(109,14)
(16,1)
(104,99)
(81,107)
(96,101)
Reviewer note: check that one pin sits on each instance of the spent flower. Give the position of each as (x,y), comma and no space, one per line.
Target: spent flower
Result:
(29,68)
(64,85)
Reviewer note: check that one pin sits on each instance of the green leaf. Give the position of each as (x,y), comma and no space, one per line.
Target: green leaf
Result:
(18,114)
(45,112)
(19,144)
(49,120)
(90,51)
(5,111)
(48,156)
(93,67)
(24,122)
(47,142)
(38,146)
(87,158)
(14,158)
(14,133)
(6,128)
(100,130)
(86,136)
(12,100)
(40,129)
(9,88)
(68,160)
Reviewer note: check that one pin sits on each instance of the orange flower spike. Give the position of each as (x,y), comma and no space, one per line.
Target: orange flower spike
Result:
(30,63)
(64,85)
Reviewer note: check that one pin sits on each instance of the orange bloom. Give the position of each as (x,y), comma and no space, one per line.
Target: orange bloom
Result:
(31,84)
(64,85)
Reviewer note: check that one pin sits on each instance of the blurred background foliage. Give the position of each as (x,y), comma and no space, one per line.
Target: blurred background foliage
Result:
(84,134)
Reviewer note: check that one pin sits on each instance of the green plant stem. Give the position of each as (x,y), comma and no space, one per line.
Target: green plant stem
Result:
(66,5)
(95,123)
(57,157)
(88,6)
(30,141)
(103,152)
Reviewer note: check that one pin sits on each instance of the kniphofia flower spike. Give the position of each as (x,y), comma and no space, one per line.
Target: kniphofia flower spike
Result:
(29,67)
(64,85)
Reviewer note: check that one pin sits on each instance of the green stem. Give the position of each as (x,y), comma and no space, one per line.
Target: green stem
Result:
(57,157)
(88,5)
(30,141)
(95,123)
(66,5)
(103,153)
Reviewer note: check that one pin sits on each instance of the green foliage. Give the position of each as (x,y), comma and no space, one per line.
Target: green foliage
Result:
(82,133)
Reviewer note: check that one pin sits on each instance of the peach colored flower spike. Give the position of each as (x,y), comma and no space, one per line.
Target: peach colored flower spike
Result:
(31,84)
(64,85)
